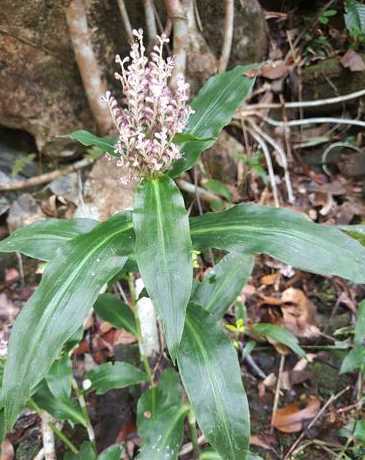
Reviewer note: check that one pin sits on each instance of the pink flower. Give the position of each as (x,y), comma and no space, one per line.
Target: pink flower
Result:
(153,114)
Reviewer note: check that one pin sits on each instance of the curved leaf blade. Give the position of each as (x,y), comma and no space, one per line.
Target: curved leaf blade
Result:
(42,239)
(279,334)
(163,252)
(112,453)
(214,107)
(162,431)
(107,144)
(109,308)
(223,283)
(67,292)
(109,376)
(211,376)
(285,235)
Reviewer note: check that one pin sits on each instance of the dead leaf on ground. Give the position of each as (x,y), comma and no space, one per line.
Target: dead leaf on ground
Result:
(7,450)
(275,70)
(298,374)
(265,441)
(353,61)
(293,417)
(299,313)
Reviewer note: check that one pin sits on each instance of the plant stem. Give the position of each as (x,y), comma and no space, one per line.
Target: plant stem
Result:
(64,439)
(83,406)
(33,405)
(194,434)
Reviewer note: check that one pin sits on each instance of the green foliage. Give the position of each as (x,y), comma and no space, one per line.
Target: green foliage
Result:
(163,252)
(279,334)
(160,419)
(109,308)
(355,19)
(325,17)
(21,163)
(215,390)
(355,359)
(107,144)
(109,376)
(223,283)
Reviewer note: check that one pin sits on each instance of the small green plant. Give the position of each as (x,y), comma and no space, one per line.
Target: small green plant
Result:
(159,138)
(21,163)
(355,21)
(326,16)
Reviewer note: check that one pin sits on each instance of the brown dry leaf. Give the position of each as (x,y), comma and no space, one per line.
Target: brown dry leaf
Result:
(299,313)
(8,311)
(292,418)
(269,280)
(7,450)
(275,70)
(265,441)
(353,61)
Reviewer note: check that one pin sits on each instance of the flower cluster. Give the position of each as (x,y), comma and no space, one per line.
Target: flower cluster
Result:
(154,113)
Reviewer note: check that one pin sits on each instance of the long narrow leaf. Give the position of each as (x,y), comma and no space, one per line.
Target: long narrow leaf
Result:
(223,283)
(214,107)
(163,252)
(42,239)
(285,235)
(111,309)
(160,419)
(67,292)
(211,376)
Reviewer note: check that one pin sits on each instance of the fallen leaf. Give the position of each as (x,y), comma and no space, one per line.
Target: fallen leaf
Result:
(275,70)
(299,313)
(293,417)
(265,441)
(8,311)
(7,450)
(353,61)
(269,280)
(11,275)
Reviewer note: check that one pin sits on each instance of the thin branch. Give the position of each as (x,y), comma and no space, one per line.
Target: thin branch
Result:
(177,13)
(45,178)
(150,19)
(48,440)
(195,190)
(89,69)
(311,121)
(282,156)
(125,19)
(228,34)
(270,168)
(277,390)
(317,103)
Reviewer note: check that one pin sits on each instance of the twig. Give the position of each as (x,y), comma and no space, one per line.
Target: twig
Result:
(311,121)
(198,191)
(303,104)
(228,34)
(47,437)
(188,447)
(252,363)
(89,69)
(277,390)
(332,399)
(45,178)
(177,13)
(270,168)
(40,455)
(125,19)
(21,268)
(284,162)
(150,19)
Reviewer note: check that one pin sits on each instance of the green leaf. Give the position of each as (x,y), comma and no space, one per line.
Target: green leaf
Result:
(217,187)
(164,252)
(355,429)
(354,360)
(68,290)
(42,239)
(111,309)
(214,107)
(355,18)
(223,283)
(109,376)
(160,419)
(86,452)
(211,454)
(180,138)
(112,453)
(59,377)
(279,334)
(63,408)
(85,138)
(211,376)
(360,325)
(283,234)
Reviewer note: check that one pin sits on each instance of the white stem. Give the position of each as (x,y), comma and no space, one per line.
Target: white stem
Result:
(149,344)
(228,34)
(311,121)
(49,449)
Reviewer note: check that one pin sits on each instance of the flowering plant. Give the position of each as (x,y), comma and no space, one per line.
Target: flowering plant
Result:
(159,137)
